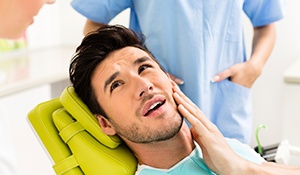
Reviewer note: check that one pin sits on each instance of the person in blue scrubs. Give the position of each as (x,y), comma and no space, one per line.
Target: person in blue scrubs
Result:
(202,43)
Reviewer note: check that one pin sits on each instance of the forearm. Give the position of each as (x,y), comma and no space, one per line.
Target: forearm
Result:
(267,168)
(91,26)
(262,45)
(239,165)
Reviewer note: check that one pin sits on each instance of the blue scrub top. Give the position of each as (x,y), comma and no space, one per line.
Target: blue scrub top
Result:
(194,40)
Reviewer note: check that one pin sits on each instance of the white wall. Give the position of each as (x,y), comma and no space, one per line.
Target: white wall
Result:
(56,24)
(30,157)
(275,103)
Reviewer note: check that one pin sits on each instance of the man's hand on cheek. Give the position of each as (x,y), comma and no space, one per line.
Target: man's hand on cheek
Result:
(217,154)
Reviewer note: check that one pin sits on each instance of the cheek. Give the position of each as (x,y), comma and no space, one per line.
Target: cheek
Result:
(166,81)
(20,15)
(112,107)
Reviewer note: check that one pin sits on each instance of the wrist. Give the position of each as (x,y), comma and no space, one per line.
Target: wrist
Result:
(255,66)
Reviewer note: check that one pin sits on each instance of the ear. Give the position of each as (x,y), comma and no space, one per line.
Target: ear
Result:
(105,125)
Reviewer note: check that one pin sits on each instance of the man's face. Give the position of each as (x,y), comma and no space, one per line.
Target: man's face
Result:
(137,96)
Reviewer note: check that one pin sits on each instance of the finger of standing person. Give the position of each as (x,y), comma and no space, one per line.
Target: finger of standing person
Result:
(176,79)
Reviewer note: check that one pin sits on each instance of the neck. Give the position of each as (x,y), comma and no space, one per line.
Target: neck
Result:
(164,154)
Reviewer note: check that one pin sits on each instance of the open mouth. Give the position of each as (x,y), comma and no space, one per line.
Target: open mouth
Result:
(154,106)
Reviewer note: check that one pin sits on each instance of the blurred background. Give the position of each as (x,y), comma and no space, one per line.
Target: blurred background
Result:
(58,29)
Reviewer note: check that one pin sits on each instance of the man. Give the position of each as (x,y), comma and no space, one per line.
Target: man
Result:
(202,43)
(113,69)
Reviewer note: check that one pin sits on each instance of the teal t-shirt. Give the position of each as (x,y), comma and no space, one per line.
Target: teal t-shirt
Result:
(194,164)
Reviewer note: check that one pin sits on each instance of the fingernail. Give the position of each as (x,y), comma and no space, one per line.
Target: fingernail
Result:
(215,78)
(180,82)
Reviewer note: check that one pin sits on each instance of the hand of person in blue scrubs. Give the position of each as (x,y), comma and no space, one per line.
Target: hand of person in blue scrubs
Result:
(246,73)
(217,154)
(176,79)
(243,74)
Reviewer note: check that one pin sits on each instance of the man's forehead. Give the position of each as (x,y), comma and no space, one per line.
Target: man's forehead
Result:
(128,53)
(129,56)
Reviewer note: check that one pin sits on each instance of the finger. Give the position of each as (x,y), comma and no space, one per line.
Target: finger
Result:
(181,98)
(178,81)
(196,113)
(221,76)
(182,95)
(196,124)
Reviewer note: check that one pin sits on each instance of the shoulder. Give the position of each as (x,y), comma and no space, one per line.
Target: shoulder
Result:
(264,12)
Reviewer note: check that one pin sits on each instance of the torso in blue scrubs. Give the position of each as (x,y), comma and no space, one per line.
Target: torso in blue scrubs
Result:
(194,40)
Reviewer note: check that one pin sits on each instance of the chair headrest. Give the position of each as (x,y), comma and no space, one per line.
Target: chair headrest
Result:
(75,106)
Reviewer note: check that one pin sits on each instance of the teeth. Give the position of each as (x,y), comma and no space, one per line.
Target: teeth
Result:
(153,106)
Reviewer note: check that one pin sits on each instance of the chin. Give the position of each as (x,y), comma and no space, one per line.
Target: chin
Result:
(14,35)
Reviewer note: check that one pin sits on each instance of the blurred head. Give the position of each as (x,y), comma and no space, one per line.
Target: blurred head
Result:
(17,15)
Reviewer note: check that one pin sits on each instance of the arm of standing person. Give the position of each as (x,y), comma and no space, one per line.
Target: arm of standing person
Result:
(246,73)
(217,154)
(90,26)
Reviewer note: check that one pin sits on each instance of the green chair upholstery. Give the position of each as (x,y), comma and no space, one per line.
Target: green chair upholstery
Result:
(74,140)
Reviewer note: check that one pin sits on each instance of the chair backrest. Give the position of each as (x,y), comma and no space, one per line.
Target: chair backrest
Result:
(74,140)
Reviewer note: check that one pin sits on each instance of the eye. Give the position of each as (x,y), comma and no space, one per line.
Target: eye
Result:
(143,67)
(114,85)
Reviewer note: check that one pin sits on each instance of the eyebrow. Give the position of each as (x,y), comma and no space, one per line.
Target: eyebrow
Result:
(114,75)
(141,60)
(110,79)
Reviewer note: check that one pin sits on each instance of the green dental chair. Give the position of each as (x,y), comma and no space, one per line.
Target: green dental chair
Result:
(74,140)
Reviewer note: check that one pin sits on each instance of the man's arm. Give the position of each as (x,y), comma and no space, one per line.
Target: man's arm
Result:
(217,154)
(246,73)
(91,26)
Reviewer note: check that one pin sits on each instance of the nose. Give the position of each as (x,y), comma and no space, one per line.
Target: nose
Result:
(144,86)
